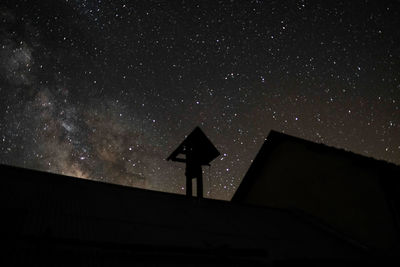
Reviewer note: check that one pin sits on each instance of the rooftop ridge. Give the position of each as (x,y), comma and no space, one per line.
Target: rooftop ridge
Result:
(273,134)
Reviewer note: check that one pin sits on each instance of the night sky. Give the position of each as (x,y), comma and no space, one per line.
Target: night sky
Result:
(106,90)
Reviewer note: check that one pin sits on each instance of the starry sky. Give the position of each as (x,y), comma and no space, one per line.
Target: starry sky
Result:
(106,90)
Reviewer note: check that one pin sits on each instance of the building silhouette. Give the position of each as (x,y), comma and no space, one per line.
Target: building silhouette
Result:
(356,195)
(299,202)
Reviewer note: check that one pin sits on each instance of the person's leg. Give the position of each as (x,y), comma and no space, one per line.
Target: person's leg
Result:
(200,186)
(189,187)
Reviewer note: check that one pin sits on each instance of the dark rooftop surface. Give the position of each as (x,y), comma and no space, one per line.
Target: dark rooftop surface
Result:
(64,220)
(275,138)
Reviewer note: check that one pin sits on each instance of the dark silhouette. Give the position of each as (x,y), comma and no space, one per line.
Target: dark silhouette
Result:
(300,202)
(338,187)
(198,151)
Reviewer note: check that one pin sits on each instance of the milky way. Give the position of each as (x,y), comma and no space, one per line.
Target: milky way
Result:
(106,90)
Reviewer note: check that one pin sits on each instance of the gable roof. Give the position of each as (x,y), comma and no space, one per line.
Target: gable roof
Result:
(275,138)
(356,195)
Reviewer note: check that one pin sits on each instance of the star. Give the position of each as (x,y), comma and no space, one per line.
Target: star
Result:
(106,90)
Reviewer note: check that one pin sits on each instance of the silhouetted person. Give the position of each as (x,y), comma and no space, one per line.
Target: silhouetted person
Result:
(193,170)
(198,151)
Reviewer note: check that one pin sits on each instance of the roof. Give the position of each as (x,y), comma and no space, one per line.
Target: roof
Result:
(355,195)
(69,216)
(275,138)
